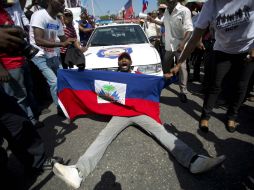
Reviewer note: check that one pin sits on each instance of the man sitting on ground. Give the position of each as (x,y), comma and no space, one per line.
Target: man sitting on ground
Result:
(74,174)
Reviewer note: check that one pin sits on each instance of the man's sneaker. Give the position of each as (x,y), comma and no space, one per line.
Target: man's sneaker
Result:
(49,162)
(69,174)
(204,163)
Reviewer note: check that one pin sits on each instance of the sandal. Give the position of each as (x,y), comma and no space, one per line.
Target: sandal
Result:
(231,126)
(203,125)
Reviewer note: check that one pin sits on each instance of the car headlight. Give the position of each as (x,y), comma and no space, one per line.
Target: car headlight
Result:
(148,69)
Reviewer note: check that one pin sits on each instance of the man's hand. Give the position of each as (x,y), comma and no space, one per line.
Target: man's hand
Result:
(168,75)
(172,72)
(11,39)
(69,41)
(4,75)
(250,56)
(201,46)
(83,49)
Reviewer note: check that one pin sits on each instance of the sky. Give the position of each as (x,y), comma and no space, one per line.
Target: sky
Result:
(101,7)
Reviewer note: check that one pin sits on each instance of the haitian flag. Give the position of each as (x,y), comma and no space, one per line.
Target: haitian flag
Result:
(109,93)
(128,8)
(145,5)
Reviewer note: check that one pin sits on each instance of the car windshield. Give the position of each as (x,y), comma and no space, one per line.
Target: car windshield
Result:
(118,35)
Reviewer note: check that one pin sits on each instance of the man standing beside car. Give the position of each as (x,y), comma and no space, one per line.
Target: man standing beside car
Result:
(178,28)
(45,28)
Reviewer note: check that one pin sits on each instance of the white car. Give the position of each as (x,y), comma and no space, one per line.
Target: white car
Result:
(107,42)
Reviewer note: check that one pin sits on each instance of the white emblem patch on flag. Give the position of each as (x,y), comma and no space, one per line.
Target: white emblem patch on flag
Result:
(110,91)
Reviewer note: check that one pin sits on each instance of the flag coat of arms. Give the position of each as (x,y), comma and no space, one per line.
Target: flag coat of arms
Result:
(109,93)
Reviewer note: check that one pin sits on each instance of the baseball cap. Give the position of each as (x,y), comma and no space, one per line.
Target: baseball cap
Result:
(68,12)
(124,55)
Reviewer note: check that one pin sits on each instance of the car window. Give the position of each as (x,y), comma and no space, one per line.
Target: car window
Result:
(118,35)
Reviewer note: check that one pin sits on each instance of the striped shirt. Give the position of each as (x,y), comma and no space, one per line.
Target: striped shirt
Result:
(69,32)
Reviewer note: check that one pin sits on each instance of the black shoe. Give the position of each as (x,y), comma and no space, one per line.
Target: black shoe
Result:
(49,162)
(203,125)
(38,124)
(183,98)
(231,126)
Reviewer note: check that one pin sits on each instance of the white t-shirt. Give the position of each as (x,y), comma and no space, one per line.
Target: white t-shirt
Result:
(152,29)
(52,29)
(176,25)
(233,22)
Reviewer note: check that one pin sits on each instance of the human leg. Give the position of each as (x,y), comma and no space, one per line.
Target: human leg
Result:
(242,72)
(222,66)
(94,153)
(168,61)
(23,140)
(16,88)
(182,152)
(49,74)
(88,161)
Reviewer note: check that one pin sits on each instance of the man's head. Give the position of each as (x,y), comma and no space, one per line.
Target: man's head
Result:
(162,9)
(124,62)
(67,17)
(171,4)
(57,6)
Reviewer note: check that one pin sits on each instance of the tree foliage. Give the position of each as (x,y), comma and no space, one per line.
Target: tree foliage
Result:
(161,2)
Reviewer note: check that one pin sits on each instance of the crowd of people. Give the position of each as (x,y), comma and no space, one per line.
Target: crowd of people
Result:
(217,34)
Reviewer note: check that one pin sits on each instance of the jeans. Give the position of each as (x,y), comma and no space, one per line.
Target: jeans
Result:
(49,67)
(241,71)
(168,63)
(88,161)
(16,87)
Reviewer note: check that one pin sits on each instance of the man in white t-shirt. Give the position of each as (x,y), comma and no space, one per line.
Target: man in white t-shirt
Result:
(178,28)
(44,30)
(233,24)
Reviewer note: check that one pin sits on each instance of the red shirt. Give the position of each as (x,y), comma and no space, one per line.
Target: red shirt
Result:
(69,32)
(7,60)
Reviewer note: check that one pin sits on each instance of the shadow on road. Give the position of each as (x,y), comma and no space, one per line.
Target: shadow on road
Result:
(52,134)
(188,181)
(239,163)
(108,182)
(189,108)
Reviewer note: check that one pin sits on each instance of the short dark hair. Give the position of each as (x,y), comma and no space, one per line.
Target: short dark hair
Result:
(124,55)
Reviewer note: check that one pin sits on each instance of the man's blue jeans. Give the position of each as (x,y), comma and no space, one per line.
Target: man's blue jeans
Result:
(49,67)
(16,88)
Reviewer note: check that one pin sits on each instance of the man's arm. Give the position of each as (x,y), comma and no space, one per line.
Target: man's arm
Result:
(4,74)
(40,41)
(189,48)
(83,29)
(184,41)
(11,39)
(150,19)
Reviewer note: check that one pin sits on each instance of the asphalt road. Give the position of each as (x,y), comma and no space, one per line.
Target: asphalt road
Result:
(135,161)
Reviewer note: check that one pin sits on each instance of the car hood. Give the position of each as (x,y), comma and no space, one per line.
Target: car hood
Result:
(107,56)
